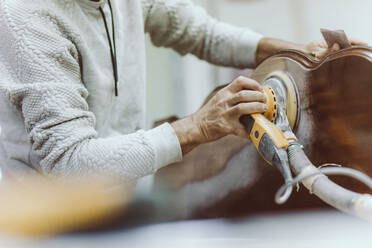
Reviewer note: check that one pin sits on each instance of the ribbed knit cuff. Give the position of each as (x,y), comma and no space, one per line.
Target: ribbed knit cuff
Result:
(167,146)
(246,48)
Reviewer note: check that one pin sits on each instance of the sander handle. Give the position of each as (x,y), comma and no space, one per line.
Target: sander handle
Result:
(272,145)
(265,135)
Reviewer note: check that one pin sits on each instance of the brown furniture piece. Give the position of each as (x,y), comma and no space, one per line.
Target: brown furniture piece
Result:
(334,127)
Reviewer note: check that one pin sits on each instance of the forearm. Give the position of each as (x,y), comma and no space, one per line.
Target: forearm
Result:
(126,157)
(77,151)
(269,46)
(187,28)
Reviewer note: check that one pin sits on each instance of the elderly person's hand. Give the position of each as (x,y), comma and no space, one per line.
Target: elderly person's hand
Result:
(320,49)
(269,46)
(220,115)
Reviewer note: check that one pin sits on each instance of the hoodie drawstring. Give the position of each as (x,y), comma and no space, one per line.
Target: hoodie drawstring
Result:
(112,44)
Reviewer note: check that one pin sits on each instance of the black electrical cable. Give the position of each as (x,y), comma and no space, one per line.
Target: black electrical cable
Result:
(112,44)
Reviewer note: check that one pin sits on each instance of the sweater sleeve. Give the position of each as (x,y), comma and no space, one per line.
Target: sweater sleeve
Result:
(187,28)
(47,88)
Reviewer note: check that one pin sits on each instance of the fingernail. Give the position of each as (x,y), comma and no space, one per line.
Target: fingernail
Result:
(336,47)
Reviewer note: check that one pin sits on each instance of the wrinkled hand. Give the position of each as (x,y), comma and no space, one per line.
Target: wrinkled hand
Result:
(319,49)
(220,116)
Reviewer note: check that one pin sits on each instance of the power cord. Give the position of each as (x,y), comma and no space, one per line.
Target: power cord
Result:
(281,196)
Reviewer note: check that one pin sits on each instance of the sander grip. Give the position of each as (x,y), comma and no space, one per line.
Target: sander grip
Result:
(247,121)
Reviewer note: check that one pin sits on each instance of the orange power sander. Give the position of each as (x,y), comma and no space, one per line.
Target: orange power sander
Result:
(271,132)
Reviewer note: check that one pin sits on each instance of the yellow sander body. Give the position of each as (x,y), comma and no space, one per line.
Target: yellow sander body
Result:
(281,116)
(271,132)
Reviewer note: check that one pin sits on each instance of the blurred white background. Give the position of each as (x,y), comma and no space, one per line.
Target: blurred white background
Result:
(179,85)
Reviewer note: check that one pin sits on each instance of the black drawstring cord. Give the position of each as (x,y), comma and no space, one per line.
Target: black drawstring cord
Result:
(113,26)
(112,44)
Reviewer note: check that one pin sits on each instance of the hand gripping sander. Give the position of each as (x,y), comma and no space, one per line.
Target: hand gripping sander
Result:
(271,132)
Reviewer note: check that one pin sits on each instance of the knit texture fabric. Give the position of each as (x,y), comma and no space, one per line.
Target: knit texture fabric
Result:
(58,112)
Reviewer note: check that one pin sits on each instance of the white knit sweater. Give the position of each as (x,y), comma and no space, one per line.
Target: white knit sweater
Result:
(58,112)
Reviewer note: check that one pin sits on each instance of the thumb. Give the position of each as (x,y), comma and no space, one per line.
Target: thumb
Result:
(357,42)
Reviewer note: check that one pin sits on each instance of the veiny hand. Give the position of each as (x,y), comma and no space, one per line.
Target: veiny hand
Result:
(319,49)
(220,116)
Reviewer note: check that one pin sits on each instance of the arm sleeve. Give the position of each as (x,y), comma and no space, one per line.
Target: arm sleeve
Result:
(47,88)
(187,28)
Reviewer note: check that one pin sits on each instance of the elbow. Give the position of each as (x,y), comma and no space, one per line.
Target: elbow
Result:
(53,152)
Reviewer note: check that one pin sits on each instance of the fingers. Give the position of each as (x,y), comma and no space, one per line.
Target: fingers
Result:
(322,44)
(335,47)
(322,52)
(220,116)
(247,108)
(320,49)
(247,96)
(357,42)
(242,83)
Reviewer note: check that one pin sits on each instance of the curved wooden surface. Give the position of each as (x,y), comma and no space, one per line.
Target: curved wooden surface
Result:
(335,127)
(336,104)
